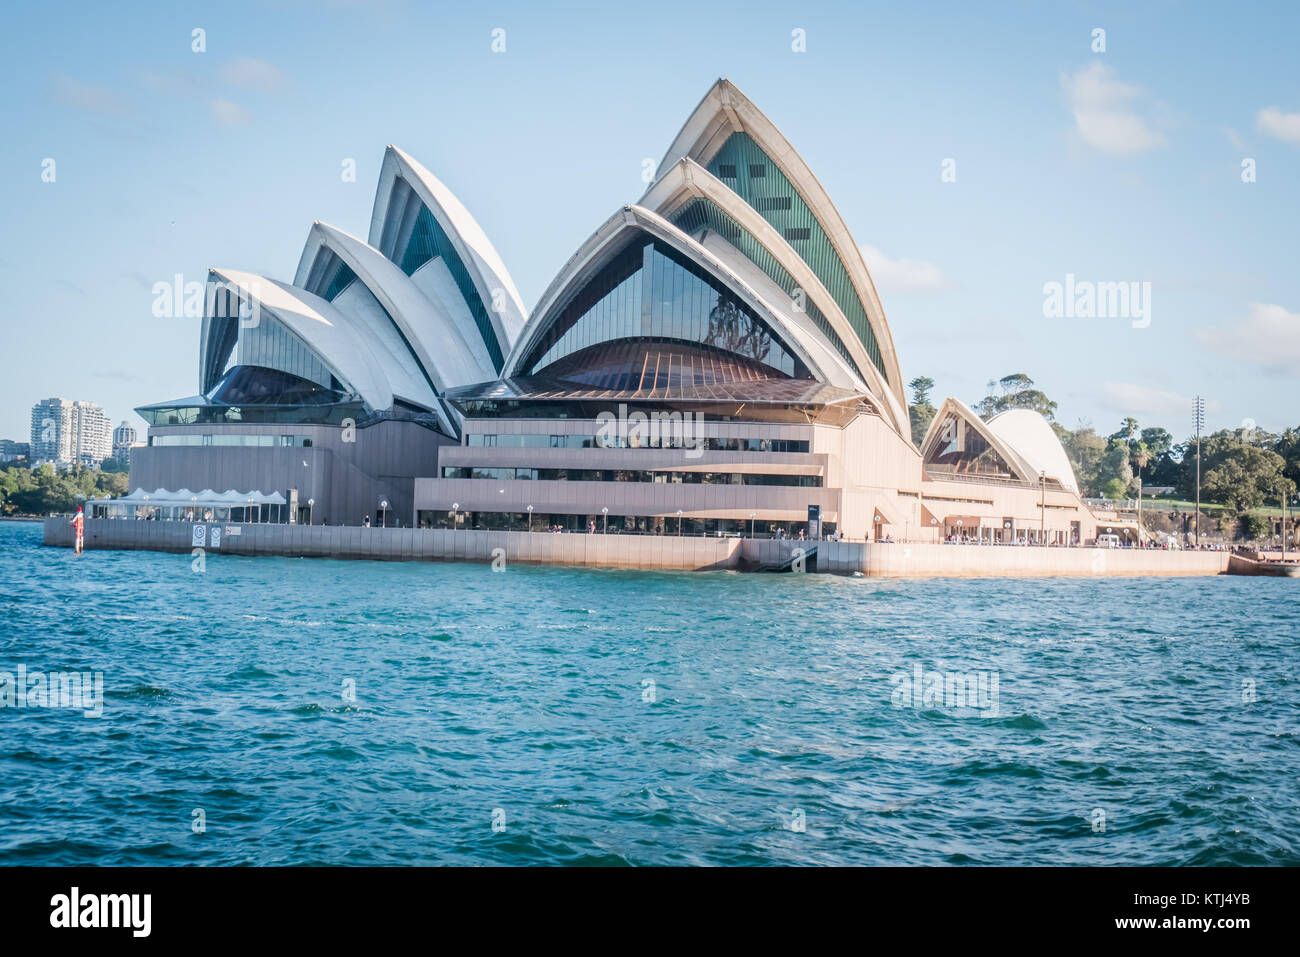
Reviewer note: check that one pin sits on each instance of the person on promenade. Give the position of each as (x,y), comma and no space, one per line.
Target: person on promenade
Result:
(78,524)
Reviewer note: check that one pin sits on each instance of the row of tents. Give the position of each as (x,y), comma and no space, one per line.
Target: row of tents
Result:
(163,498)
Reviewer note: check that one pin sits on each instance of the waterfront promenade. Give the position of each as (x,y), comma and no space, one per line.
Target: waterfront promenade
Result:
(886,560)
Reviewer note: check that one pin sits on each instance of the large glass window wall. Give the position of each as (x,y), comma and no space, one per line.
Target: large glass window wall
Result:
(651,291)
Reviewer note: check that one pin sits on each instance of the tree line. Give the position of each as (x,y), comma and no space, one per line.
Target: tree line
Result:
(39,491)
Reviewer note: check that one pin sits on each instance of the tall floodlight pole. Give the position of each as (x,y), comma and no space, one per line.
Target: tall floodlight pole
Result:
(1198,413)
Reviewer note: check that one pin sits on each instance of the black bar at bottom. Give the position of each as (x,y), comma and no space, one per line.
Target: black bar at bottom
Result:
(332,906)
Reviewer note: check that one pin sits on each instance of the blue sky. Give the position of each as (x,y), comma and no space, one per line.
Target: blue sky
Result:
(1121,166)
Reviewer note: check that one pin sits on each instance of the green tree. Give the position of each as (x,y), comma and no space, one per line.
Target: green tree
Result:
(9,484)
(1235,472)
(1144,446)
(43,490)
(111,483)
(1288,446)
(921,411)
(1085,449)
(1115,469)
(1252,526)
(1114,489)
(1128,430)
(1168,467)
(44,476)
(1015,391)
(1141,457)
(1158,440)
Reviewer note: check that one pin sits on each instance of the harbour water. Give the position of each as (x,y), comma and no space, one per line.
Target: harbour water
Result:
(308,711)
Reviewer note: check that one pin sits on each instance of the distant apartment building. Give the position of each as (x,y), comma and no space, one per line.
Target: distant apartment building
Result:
(67,432)
(124,440)
(11,451)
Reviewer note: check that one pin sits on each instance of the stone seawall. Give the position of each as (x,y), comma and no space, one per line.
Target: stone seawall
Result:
(916,560)
(405,544)
(638,551)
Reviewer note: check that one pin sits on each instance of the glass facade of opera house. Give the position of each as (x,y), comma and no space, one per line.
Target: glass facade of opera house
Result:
(713,359)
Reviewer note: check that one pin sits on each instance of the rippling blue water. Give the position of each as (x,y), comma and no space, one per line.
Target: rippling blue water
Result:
(526,690)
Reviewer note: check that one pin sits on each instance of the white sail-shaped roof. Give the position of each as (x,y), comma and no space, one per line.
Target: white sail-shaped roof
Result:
(425,307)
(391,224)
(609,239)
(726,111)
(940,441)
(1032,437)
(430,354)
(328,333)
(685,181)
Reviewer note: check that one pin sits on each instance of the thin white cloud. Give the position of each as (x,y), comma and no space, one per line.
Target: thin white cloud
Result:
(1145,402)
(177,82)
(902,275)
(84,96)
(248,73)
(1104,114)
(229,114)
(1268,337)
(1271,121)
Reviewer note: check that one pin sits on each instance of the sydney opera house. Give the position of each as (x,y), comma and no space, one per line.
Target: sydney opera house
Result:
(714,358)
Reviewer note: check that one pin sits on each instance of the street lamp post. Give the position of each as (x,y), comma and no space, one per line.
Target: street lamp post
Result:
(604,520)
(679,523)
(455,515)
(1042,508)
(752,516)
(250,504)
(530,518)
(383,513)
(311,511)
